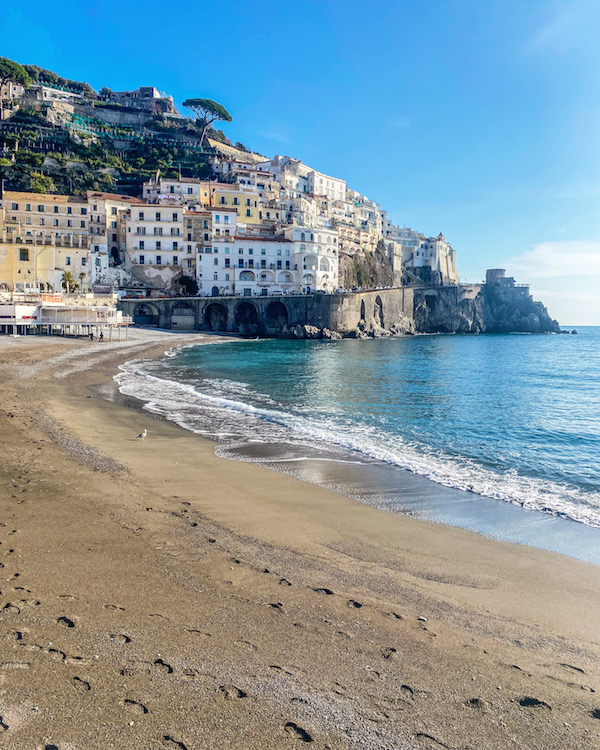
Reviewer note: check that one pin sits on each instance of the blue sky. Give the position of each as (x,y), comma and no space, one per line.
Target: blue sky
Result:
(477,118)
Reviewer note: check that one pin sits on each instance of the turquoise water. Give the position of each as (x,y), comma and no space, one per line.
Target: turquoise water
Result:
(499,434)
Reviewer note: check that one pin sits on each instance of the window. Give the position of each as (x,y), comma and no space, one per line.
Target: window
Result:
(241,263)
(240,250)
(55,209)
(42,222)
(248,202)
(55,222)
(189,249)
(141,216)
(82,224)
(15,206)
(205,223)
(69,210)
(24,254)
(172,189)
(157,216)
(226,251)
(113,211)
(175,245)
(175,260)
(287,265)
(227,262)
(98,262)
(251,263)
(96,248)
(217,219)
(215,261)
(158,245)
(189,236)
(142,259)
(190,191)
(278,265)
(189,263)
(223,200)
(263,251)
(216,276)
(235,201)
(159,260)
(226,219)
(142,247)
(226,277)
(248,212)
(114,238)
(83,261)
(218,232)
(113,224)
(263,263)
(41,209)
(205,237)
(68,260)
(175,217)
(84,211)
(278,251)
(69,223)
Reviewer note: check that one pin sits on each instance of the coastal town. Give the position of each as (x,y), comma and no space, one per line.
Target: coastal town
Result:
(258,226)
(213,220)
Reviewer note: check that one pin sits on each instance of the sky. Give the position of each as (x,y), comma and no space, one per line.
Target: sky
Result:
(480,119)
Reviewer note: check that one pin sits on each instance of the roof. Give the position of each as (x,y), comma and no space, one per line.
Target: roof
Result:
(115,197)
(42,197)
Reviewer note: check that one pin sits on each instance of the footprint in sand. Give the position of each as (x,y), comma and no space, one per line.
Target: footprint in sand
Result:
(529,702)
(231,692)
(388,653)
(163,666)
(172,743)
(329,592)
(81,684)
(120,638)
(407,693)
(297,732)
(135,705)
(3,725)
(11,609)
(56,653)
(65,622)
(114,606)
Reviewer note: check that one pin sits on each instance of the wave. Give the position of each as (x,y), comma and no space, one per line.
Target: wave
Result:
(217,414)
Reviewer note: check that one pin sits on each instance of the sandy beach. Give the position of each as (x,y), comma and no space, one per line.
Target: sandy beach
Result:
(156,596)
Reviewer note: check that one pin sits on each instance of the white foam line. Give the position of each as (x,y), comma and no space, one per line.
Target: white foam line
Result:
(167,397)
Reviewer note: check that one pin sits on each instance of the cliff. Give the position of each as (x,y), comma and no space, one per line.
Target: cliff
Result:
(480,309)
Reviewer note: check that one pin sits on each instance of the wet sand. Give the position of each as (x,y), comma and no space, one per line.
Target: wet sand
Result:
(156,596)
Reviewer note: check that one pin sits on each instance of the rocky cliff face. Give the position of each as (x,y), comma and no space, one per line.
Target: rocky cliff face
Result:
(490,311)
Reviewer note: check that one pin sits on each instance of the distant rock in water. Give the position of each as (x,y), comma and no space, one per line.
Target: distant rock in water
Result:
(498,306)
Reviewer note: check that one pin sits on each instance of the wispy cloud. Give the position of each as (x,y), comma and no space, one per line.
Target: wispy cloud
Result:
(565,276)
(277,134)
(557,30)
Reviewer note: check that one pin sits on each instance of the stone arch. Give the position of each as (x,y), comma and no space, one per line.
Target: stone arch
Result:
(246,318)
(276,316)
(285,277)
(378,311)
(215,317)
(145,314)
(183,317)
(215,291)
(114,254)
(324,265)
(247,276)
(4,287)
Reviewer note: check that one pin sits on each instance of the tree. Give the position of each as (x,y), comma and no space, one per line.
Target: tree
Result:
(105,92)
(12,72)
(68,282)
(207,111)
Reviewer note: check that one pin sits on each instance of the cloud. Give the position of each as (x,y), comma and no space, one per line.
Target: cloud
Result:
(559,260)
(277,134)
(565,276)
(559,29)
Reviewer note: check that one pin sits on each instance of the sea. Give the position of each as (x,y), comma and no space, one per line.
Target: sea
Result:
(499,434)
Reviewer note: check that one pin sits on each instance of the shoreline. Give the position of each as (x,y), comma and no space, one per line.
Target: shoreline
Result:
(207,590)
(366,479)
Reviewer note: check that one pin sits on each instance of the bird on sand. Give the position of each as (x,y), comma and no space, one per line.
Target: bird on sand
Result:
(143,434)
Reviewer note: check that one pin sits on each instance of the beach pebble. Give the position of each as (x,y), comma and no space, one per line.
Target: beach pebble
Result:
(422,619)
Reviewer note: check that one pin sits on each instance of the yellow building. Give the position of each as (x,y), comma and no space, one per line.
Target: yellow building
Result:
(246,204)
(41,237)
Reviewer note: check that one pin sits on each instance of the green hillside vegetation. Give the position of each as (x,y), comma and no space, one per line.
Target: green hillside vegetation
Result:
(87,153)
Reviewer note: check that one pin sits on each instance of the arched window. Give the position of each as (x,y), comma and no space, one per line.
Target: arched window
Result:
(216,276)
(312,237)
(302,237)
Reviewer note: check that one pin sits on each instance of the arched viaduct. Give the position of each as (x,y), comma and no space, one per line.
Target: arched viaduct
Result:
(268,315)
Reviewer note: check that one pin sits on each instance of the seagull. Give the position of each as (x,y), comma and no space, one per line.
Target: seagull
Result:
(143,434)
